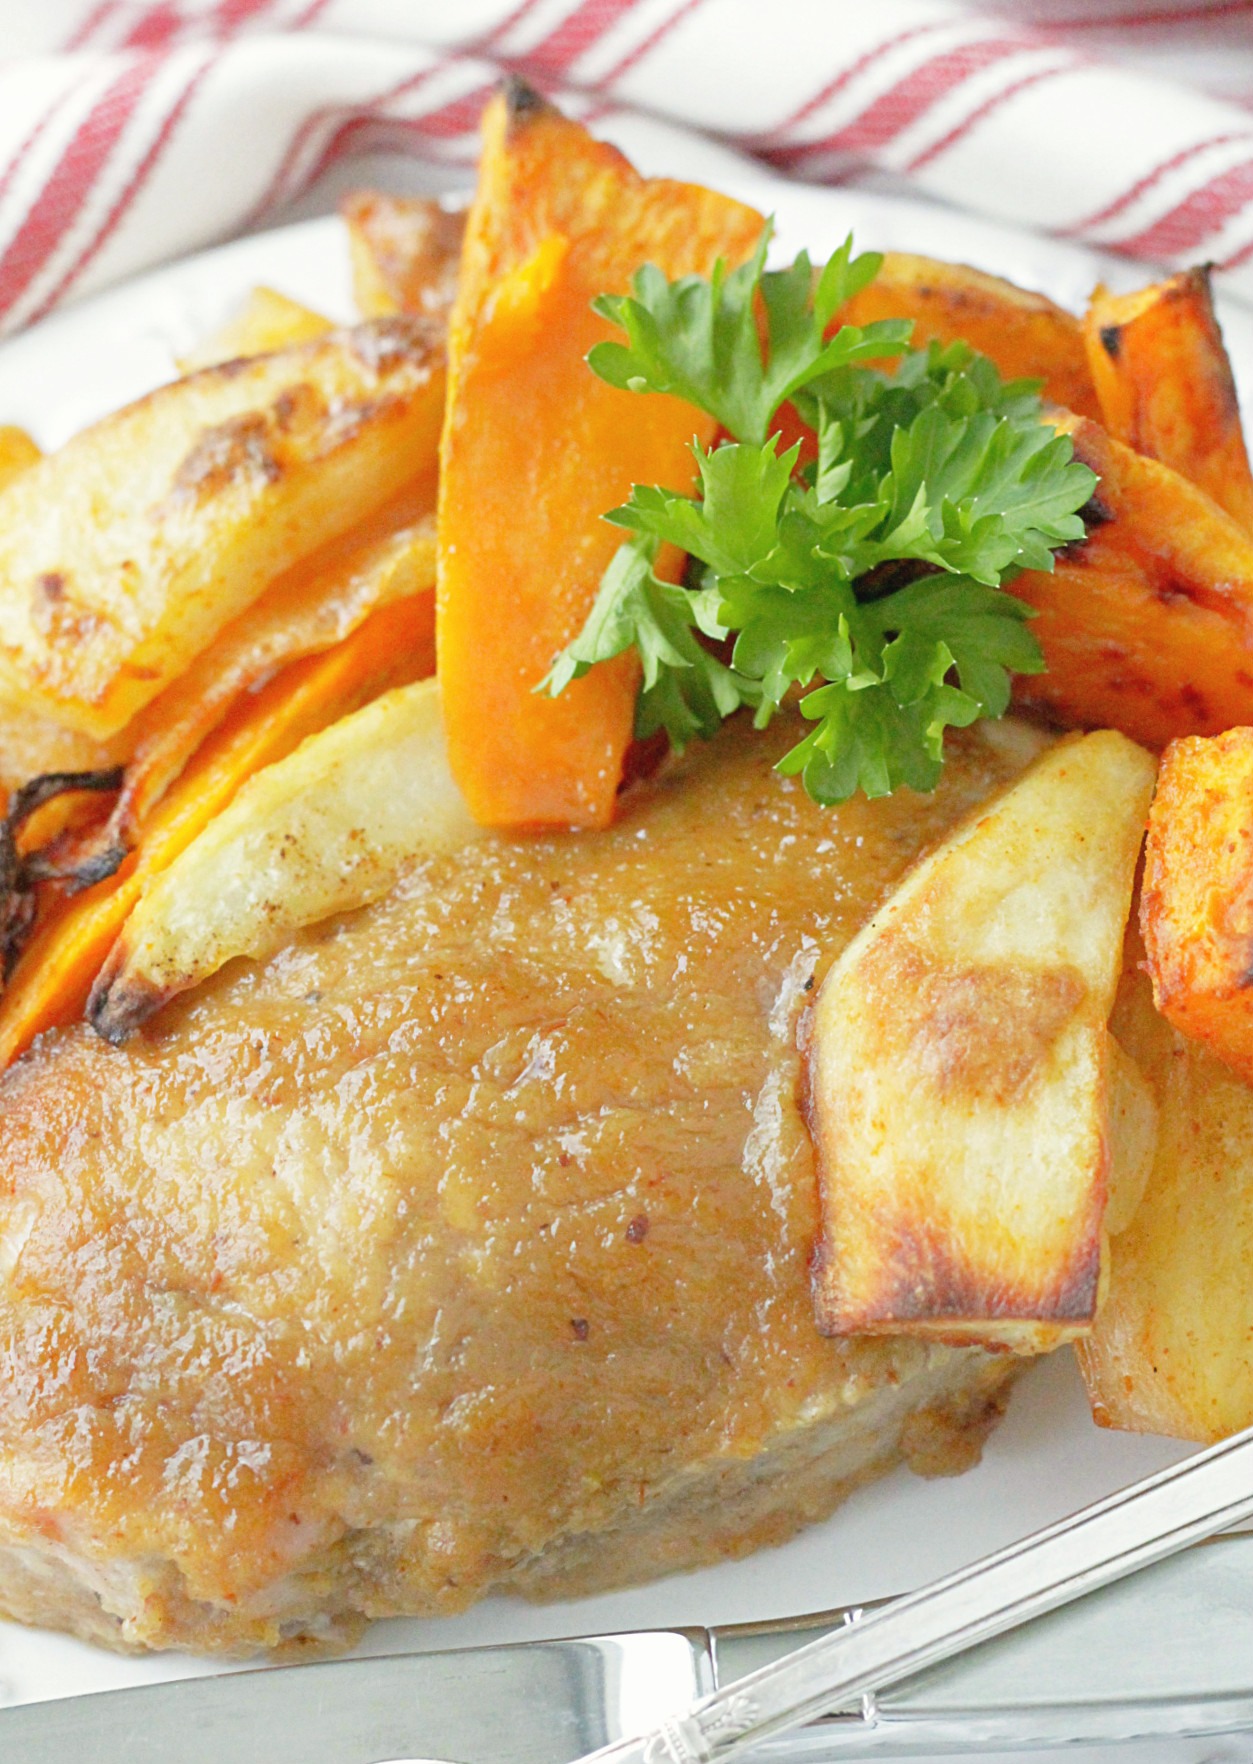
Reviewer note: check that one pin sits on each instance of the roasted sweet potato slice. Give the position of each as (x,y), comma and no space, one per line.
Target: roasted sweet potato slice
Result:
(1025,334)
(1197,900)
(406,253)
(124,554)
(536,449)
(1170,1349)
(1164,381)
(54,976)
(1147,626)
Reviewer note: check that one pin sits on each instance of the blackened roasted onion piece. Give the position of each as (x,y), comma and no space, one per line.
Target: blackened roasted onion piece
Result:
(22,872)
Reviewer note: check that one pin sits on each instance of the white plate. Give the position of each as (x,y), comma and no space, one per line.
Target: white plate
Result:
(1047,1458)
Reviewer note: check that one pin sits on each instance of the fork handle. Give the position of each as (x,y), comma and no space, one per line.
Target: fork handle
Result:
(1115,1537)
(1166,1654)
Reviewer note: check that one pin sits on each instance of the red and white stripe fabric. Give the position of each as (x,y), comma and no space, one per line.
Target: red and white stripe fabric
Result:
(135,130)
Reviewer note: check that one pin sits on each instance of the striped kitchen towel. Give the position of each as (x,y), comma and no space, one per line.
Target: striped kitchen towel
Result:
(132,131)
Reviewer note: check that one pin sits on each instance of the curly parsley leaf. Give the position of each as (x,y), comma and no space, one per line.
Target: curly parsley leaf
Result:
(698,339)
(870,578)
(686,690)
(735,520)
(881,719)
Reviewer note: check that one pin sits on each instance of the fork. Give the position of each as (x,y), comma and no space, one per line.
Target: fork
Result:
(1101,1543)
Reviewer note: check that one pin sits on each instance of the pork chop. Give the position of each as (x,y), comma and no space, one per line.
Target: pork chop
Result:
(464,1245)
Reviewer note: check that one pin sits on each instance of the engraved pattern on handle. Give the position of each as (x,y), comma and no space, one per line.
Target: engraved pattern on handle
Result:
(680,1740)
(1112,1538)
(738,1714)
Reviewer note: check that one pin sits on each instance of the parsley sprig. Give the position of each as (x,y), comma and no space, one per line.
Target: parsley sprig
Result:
(870,577)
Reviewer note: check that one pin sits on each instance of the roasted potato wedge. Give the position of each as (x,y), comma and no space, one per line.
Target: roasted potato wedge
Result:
(1025,334)
(123,555)
(31,743)
(323,831)
(406,253)
(1147,626)
(1164,382)
(1196,904)
(536,448)
(17,451)
(51,982)
(311,608)
(959,1068)
(267,321)
(1133,1126)
(1170,1349)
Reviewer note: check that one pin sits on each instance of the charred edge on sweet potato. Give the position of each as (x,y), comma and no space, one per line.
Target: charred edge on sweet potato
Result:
(523,104)
(21,872)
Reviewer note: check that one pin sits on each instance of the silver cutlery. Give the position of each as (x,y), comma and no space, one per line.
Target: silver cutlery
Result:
(1113,1538)
(1168,1653)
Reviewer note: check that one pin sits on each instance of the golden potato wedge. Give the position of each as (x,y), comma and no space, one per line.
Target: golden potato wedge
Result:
(1147,626)
(959,1068)
(1133,1118)
(406,253)
(311,608)
(17,451)
(267,321)
(123,555)
(1025,334)
(1196,904)
(307,609)
(31,743)
(1164,382)
(1170,1352)
(323,831)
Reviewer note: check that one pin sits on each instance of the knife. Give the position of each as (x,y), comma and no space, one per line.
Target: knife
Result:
(1169,1653)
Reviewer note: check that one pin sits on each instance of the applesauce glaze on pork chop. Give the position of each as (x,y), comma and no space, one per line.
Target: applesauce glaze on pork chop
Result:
(464,1244)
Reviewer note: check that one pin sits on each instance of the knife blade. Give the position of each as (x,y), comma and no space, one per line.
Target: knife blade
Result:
(1170,1653)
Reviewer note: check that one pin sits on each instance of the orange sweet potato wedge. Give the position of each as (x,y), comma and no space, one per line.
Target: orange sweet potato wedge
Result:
(1196,903)
(535,450)
(1027,335)
(1147,626)
(1164,381)
(54,975)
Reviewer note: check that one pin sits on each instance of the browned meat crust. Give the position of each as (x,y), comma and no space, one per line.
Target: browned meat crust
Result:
(463,1245)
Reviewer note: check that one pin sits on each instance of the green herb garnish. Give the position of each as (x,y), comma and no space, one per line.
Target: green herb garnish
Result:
(871,577)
